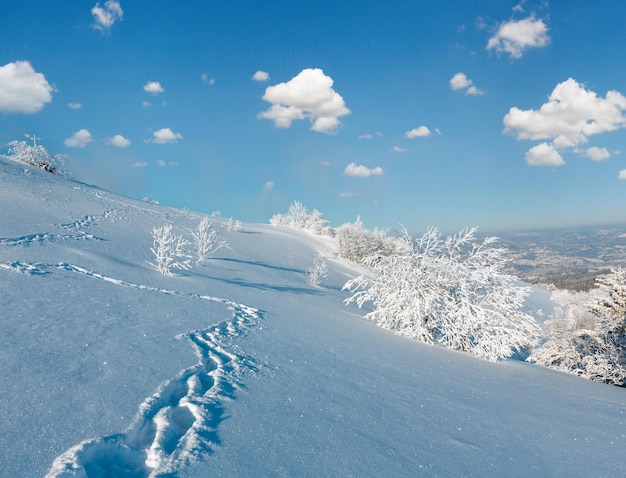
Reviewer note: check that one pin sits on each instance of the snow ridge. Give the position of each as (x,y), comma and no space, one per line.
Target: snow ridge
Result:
(178,424)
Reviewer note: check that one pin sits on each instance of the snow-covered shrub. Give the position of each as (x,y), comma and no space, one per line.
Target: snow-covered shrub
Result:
(451,291)
(298,217)
(587,334)
(317,271)
(36,155)
(233,225)
(206,239)
(356,242)
(169,250)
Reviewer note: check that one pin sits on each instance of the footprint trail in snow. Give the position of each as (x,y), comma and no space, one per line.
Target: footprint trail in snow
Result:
(178,425)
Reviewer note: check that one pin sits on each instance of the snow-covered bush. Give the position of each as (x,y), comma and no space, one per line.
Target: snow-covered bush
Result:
(451,291)
(206,239)
(298,217)
(233,225)
(356,242)
(317,271)
(36,155)
(587,334)
(169,250)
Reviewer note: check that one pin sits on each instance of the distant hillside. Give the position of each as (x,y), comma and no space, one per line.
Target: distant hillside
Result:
(569,258)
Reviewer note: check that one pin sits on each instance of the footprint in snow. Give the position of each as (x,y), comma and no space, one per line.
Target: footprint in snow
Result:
(178,424)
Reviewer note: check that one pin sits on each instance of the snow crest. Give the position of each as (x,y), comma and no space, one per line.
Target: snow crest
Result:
(178,424)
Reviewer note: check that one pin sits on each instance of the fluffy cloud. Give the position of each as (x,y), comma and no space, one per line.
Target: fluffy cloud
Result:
(118,141)
(140,164)
(570,116)
(153,87)
(165,135)
(360,171)
(269,185)
(79,139)
(398,149)
(307,95)
(622,175)
(107,16)
(544,154)
(515,36)
(22,89)
(420,132)
(461,82)
(261,76)
(597,154)
(74,106)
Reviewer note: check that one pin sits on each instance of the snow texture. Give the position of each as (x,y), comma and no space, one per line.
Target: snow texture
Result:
(240,367)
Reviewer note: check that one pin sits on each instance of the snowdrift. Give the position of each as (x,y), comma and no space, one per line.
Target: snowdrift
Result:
(239,367)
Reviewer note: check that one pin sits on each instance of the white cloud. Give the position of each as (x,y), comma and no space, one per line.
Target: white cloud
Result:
(370,136)
(622,175)
(360,171)
(261,76)
(570,116)
(161,163)
(398,149)
(269,185)
(74,106)
(205,79)
(22,89)
(347,194)
(153,87)
(460,81)
(325,163)
(118,141)
(597,154)
(146,104)
(165,135)
(307,95)
(140,164)
(515,36)
(79,139)
(544,154)
(107,16)
(420,132)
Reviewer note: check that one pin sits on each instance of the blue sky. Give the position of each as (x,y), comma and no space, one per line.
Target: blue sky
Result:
(500,114)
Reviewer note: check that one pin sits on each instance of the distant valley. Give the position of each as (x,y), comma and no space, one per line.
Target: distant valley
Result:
(568,258)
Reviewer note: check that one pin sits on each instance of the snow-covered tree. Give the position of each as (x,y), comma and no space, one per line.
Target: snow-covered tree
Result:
(169,250)
(299,217)
(587,334)
(36,155)
(451,291)
(356,242)
(317,271)
(206,239)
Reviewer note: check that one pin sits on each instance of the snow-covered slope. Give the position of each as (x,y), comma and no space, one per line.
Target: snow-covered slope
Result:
(238,367)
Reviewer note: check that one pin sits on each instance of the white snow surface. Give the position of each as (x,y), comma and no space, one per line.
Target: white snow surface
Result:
(239,367)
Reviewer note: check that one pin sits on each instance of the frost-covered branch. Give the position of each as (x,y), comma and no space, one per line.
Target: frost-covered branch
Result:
(169,250)
(317,271)
(587,333)
(206,240)
(36,155)
(451,291)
